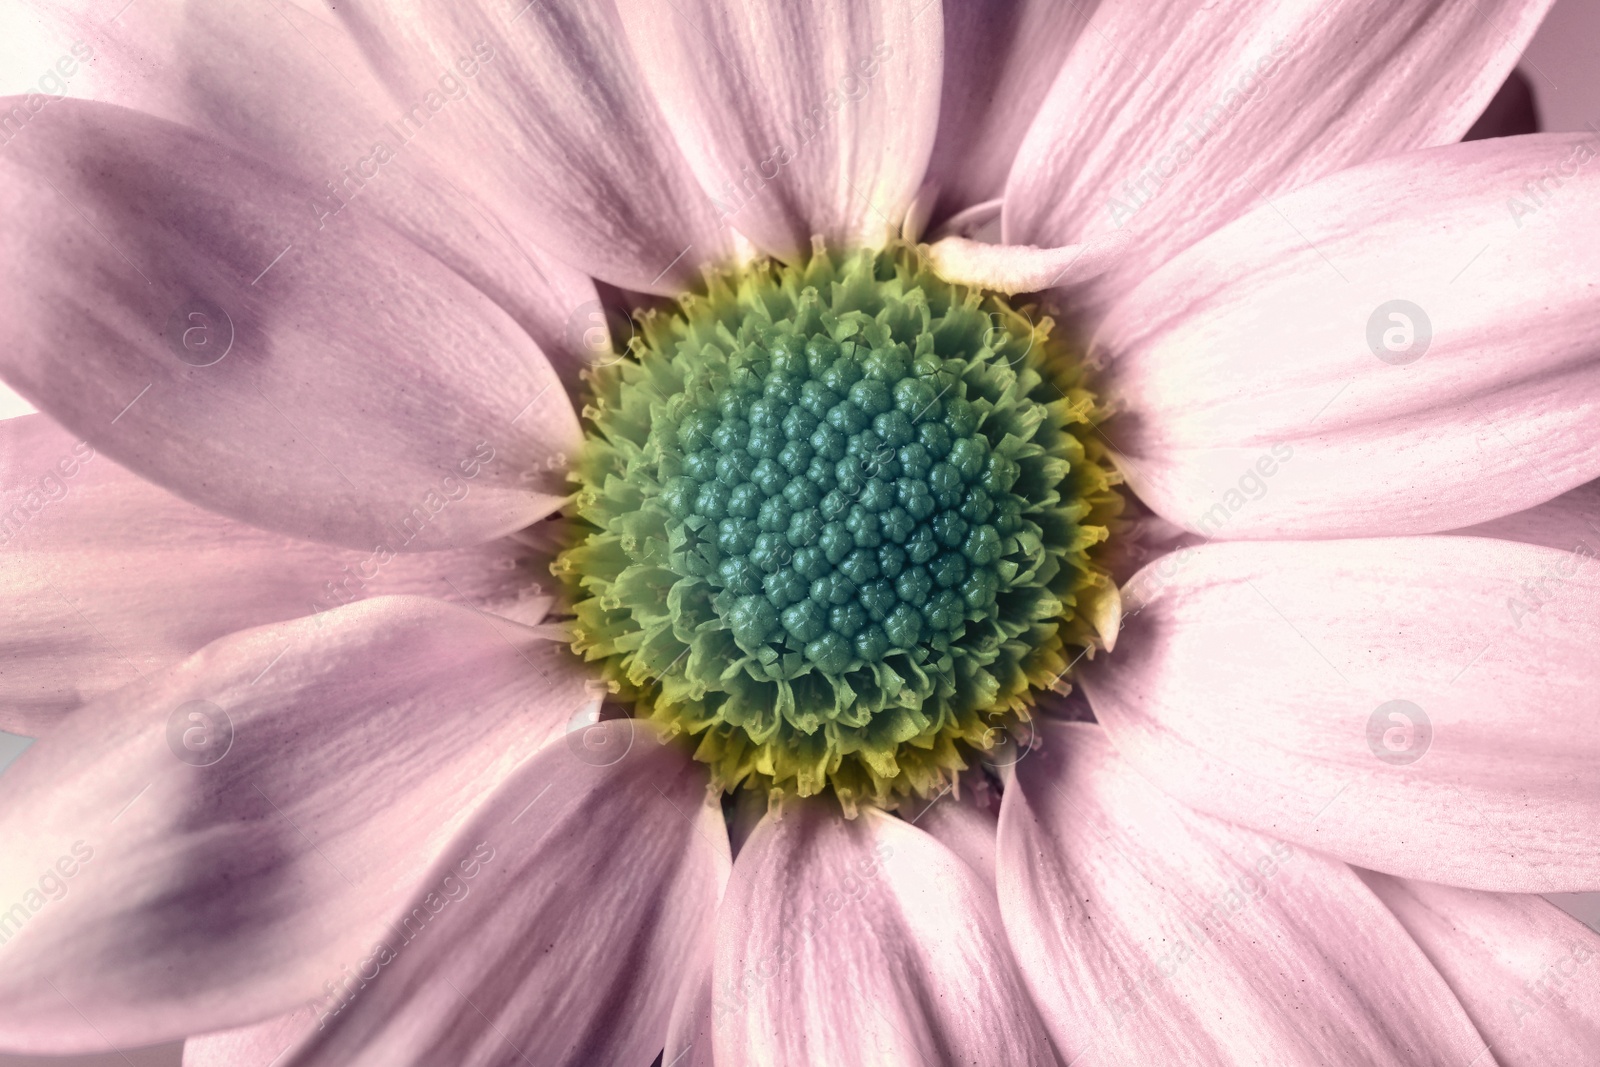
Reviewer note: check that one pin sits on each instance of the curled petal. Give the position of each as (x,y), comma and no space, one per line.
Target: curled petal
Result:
(1021,268)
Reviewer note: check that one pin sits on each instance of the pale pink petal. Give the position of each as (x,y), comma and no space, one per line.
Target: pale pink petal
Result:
(559,132)
(1393,350)
(665,840)
(325,763)
(1569,522)
(863,942)
(1022,268)
(366,384)
(13,404)
(1527,973)
(1152,934)
(965,826)
(689,1030)
(1171,118)
(258,1045)
(110,578)
(294,89)
(799,118)
(554,926)
(1001,57)
(1395,702)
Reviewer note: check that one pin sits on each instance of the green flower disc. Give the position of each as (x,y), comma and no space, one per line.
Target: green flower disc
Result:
(836,522)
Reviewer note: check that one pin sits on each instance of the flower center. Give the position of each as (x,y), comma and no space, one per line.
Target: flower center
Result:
(836,520)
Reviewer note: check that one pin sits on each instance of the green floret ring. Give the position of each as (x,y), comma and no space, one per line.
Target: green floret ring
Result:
(837,521)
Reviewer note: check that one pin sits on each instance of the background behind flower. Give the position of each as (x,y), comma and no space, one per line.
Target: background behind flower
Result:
(1559,64)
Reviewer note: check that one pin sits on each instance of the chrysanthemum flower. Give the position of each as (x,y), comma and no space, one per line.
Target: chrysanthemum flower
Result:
(420,678)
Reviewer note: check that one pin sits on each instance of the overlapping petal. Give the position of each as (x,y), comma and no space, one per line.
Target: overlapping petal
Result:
(1407,347)
(207,847)
(561,133)
(355,389)
(1527,973)
(1568,523)
(1001,57)
(863,942)
(258,1045)
(1406,704)
(1150,933)
(109,578)
(966,826)
(689,1029)
(555,924)
(288,86)
(606,863)
(1171,118)
(799,118)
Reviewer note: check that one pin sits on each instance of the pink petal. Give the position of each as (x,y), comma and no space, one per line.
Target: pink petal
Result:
(564,912)
(799,119)
(863,942)
(689,1030)
(366,385)
(1524,970)
(1406,704)
(1567,522)
(1151,934)
(1261,393)
(259,1045)
(110,578)
(571,943)
(1000,60)
(215,892)
(1172,118)
(561,134)
(965,826)
(290,88)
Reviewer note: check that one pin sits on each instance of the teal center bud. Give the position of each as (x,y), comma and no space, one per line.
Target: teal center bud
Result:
(836,522)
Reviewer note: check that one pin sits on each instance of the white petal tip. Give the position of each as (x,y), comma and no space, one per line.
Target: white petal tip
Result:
(1014,269)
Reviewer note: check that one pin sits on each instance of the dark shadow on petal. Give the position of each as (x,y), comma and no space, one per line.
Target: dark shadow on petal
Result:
(1512,111)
